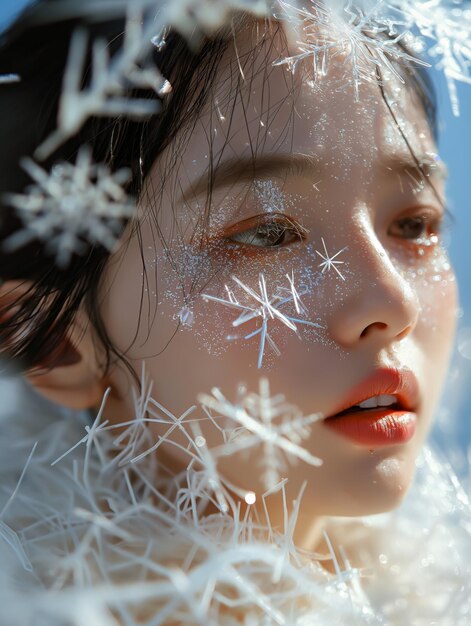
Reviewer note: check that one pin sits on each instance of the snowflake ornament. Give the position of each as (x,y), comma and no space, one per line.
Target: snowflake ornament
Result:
(267,421)
(379,35)
(358,36)
(446,25)
(189,16)
(71,207)
(329,262)
(266,307)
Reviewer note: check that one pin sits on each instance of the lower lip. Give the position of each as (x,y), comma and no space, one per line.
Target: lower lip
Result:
(375,428)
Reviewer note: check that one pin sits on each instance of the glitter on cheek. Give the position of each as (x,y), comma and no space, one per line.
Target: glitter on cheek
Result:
(264,307)
(428,271)
(304,271)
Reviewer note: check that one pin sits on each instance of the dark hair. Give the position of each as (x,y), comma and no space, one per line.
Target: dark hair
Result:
(38,53)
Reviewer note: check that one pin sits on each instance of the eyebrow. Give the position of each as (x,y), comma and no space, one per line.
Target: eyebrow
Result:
(240,169)
(426,164)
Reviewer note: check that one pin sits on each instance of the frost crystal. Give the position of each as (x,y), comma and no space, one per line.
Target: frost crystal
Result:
(107,93)
(347,32)
(446,24)
(267,308)
(110,78)
(369,33)
(329,262)
(209,15)
(378,35)
(258,414)
(71,207)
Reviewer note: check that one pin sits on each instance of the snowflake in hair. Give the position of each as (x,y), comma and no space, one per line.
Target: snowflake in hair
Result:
(447,26)
(106,94)
(188,16)
(371,34)
(71,207)
(267,420)
(362,36)
(267,308)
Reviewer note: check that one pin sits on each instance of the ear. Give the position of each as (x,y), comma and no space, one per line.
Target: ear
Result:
(70,374)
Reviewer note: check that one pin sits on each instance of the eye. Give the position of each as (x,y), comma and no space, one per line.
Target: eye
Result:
(424,228)
(268,231)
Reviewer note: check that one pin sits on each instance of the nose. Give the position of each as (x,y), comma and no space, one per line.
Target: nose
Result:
(381,306)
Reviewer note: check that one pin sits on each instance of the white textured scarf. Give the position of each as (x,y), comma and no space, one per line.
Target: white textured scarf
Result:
(97,539)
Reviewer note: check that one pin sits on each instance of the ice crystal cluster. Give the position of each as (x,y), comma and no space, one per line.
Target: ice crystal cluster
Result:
(377,35)
(369,34)
(94,530)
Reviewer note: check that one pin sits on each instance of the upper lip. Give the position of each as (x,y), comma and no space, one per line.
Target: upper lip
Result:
(384,381)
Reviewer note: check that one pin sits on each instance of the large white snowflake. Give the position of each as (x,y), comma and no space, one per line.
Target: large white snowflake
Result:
(346,33)
(366,32)
(267,421)
(267,308)
(369,35)
(71,207)
(446,26)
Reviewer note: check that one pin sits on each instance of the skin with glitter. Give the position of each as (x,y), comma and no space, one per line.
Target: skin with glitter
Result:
(331,174)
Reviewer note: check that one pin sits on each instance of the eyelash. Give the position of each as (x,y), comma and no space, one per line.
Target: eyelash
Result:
(276,225)
(432,222)
(279,226)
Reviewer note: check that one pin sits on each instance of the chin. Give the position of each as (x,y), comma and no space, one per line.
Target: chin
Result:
(368,489)
(384,488)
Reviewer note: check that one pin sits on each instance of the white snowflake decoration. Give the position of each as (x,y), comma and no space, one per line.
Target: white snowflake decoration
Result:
(447,26)
(263,306)
(368,33)
(147,23)
(106,539)
(347,31)
(71,207)
(258,414)
(188,16)
(110,77)
(329,261)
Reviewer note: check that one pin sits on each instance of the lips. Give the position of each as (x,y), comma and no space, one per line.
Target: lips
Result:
(384,381)
(382,425)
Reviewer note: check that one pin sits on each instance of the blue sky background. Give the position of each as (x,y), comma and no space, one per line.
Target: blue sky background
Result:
(453,424)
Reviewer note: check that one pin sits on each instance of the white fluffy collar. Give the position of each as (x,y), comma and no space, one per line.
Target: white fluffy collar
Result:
(86,542)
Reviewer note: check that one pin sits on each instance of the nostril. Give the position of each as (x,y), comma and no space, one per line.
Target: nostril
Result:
(404,333)
(377,325)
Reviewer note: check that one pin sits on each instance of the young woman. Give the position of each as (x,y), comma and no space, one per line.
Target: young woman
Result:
(286,237)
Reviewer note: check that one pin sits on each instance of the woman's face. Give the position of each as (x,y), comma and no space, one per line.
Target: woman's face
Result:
(300,172)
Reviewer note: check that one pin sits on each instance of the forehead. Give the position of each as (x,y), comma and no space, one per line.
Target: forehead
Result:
(258,107)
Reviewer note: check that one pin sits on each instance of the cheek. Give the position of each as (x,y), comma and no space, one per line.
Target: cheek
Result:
(431,276)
